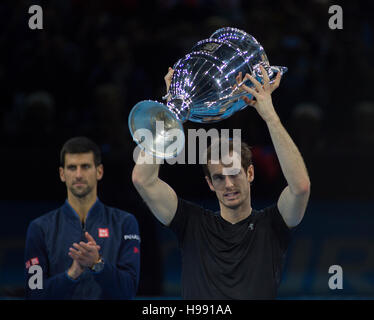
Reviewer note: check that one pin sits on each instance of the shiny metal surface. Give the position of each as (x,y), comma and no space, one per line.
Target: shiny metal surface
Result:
(204,88)
(155,129)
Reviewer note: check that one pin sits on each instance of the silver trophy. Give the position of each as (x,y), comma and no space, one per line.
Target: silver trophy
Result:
(203,89)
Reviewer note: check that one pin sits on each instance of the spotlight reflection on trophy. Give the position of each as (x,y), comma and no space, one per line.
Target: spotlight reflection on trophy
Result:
(203,89)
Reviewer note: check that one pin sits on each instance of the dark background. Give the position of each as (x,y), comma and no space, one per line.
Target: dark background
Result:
(94,60)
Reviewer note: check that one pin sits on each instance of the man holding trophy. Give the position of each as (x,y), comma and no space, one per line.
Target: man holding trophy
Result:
(239,252)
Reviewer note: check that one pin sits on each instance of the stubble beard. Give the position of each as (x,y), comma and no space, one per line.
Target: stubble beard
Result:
(81,193)
(238,203)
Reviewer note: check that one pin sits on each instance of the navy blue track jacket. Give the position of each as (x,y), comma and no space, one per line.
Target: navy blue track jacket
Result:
(50,236)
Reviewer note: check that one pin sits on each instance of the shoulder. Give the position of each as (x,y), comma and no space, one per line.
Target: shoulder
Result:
(187,212)
(119,214)
(45,219)
(40,226)
(267,212)
(191,206)
(271,216)
(271,210)
(274,221)
(193,210)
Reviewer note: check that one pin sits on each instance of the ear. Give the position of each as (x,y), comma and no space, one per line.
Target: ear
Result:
(62,175)
(250,173)
(210,183)
(99,172)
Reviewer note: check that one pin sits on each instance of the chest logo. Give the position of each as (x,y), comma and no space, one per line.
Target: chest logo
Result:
(103,233)
(251,227)
(32,262)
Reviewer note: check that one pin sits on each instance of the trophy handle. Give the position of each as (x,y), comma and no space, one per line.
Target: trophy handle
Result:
(156,129)
(271,70)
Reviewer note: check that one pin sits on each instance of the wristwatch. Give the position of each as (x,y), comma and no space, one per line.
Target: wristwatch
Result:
(98,266)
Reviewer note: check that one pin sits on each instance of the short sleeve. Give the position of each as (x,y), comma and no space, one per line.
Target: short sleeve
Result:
(279,226)
(184,218)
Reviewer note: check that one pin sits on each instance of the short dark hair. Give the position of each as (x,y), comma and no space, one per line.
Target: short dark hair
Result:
(246,156)
(80,145)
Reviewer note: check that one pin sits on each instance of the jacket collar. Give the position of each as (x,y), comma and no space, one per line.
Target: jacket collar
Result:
(94,211)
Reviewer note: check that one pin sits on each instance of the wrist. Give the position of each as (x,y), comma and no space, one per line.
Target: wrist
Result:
(74,272)
(272,119)
(98,266)
(98,260)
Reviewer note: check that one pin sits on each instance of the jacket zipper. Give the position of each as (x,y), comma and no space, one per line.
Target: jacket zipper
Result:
(83,231)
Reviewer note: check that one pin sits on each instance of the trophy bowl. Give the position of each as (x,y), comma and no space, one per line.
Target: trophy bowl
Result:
(203,89)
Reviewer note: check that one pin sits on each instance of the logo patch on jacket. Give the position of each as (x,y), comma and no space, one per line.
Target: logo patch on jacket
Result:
(31,262)
(103,233)
(131,237)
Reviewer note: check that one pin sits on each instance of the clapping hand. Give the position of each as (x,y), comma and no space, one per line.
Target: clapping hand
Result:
(86,254)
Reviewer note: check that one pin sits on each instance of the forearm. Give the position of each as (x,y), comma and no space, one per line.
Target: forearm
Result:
(294,198)
(157,194)
(117,284)
(145,171)
(290,159)
(60,286)
(145,174)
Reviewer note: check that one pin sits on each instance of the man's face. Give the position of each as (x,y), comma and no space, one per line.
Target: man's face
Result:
(232,189)
(80,174)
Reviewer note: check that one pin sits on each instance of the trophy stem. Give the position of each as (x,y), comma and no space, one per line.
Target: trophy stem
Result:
(180,107)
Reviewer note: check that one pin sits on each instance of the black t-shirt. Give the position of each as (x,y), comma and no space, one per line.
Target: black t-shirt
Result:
(221,260)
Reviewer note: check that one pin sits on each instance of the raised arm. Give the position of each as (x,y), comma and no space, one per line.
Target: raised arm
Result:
(294,198)
(157,194)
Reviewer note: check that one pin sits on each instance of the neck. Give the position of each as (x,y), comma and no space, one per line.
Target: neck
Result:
(82,205)
(234,215)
